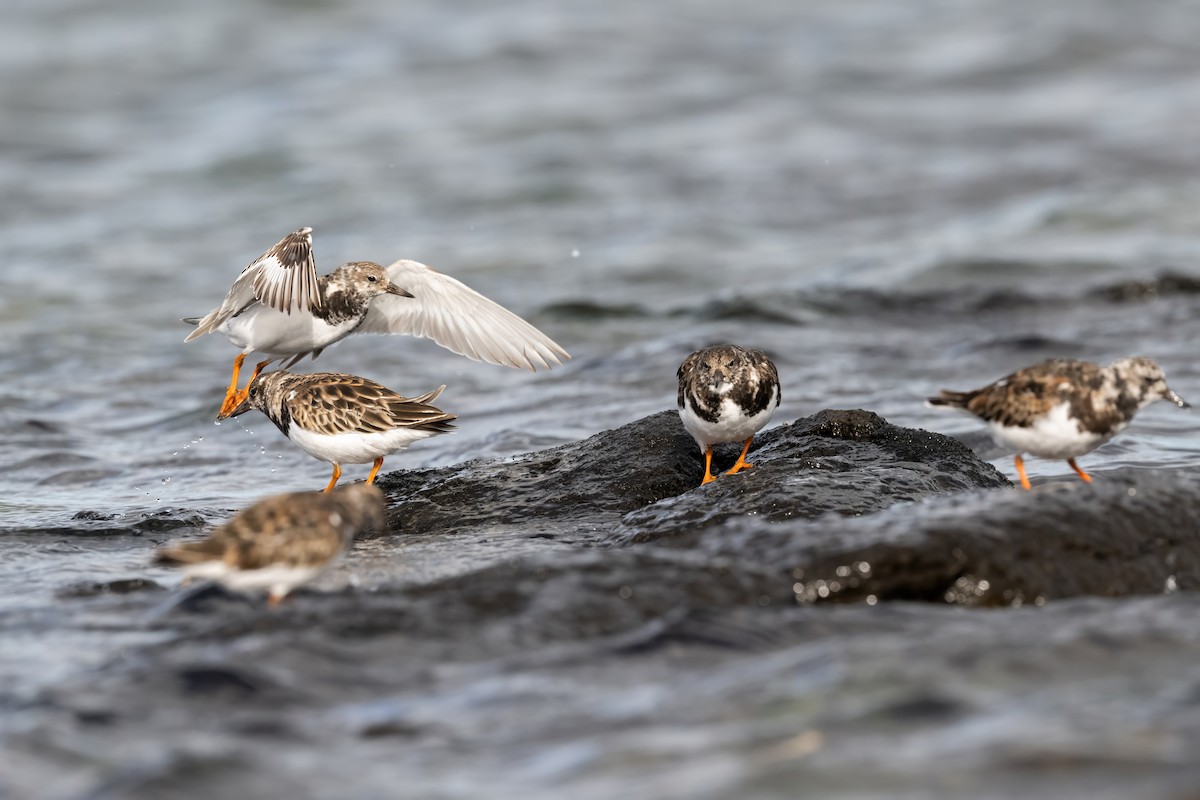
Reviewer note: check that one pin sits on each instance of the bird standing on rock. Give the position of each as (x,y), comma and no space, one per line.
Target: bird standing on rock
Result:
(1062,408)
(727,393)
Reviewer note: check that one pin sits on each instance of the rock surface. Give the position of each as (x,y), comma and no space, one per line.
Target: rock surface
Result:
(647,475)
(923,524)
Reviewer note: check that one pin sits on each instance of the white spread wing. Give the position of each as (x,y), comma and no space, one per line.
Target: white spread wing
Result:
(284,278)
(460,319)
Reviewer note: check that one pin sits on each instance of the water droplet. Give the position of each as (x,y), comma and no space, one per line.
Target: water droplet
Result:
(575,253)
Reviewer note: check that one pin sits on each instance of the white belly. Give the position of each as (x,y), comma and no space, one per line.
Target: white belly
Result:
(1055,436)
(731,425)
(277,578)
(263,329)
(355,448)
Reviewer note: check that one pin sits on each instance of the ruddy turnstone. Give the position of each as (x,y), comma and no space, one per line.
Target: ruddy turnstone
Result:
(1062,408)
(344,419)
(280,307)
(282,541)
(727,393)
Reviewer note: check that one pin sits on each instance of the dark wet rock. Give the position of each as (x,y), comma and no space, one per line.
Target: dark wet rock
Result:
(1129,533)
(121,586)
(840,506)
(209,679)
(1168,284)
(844,462)
(102,523)
(168,520)
(851,462)
(946,303)
(95,516)
(578,310)
(754,311)
(594,480)
(205,597)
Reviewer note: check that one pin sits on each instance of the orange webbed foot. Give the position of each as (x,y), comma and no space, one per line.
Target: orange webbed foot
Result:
(741,462)
(1078,471)
(234,396)
(233,399)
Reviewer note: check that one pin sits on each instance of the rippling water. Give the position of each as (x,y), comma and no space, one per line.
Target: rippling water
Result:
(890,198)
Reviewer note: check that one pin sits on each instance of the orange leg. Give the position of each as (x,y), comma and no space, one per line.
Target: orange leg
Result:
(1021,472)
(273,600)
(375,470)
(1087,478)
(708,476)
(257,369)
(337,473)
(231,392)
(742,463)
(234,396)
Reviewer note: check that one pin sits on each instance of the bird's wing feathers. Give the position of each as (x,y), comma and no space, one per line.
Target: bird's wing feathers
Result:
(284,278)
(1020,398)
(459,319)
(336,403)
(292,545)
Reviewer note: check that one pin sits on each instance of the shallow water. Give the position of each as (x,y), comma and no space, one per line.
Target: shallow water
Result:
(889,199)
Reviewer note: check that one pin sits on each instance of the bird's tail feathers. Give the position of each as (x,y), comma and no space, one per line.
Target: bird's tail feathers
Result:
(187,553)
(429,397)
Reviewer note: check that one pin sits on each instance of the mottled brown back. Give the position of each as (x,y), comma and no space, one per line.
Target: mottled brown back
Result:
(1017,400)
(300,529)
(336,403)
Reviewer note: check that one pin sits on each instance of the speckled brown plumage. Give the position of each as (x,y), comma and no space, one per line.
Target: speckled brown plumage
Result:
(332,402)
(346,292)
(1100,398)
(751,374)
(296,530)
(727,393)
(1063,408)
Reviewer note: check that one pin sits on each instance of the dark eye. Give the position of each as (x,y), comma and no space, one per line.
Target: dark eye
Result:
(373,278)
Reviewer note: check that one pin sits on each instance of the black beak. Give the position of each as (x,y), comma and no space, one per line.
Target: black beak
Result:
(1176,399)
(238,410)
(396,290)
